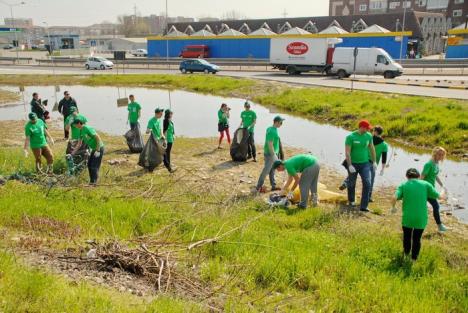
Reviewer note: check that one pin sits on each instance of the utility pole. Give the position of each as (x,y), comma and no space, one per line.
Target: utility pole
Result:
(50,48)
(167,38)
(13,23)
(403,30)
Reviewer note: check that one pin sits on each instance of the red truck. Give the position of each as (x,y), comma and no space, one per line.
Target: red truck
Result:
(195,51)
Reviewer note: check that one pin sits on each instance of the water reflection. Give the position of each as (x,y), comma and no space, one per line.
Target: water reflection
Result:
(195,116)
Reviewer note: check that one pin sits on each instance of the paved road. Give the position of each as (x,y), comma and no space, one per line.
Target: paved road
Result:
(305,79)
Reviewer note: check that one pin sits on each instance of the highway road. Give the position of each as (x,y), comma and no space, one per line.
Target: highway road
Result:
(304,79)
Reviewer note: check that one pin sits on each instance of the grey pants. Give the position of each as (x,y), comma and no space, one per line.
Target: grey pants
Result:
(268,170)
(309,182)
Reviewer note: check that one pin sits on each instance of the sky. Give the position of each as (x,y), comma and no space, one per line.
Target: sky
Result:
(87,12)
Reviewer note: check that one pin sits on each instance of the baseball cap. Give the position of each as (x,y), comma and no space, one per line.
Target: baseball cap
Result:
(278,119)
(158,110)
(365,124)
(32,116)
(277,163)
(78,119)
(247,104)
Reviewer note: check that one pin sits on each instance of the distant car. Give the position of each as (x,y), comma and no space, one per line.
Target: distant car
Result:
(41,47)
(139,53)
(98,63)
(198,65)
(34,47)
(8,47)
(195,51)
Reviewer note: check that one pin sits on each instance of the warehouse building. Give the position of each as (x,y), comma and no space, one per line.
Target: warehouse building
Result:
(457,45)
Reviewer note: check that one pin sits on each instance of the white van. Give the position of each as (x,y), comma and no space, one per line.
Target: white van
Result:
(369,61)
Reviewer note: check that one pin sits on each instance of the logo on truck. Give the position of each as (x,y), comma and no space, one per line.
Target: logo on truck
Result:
(297,48)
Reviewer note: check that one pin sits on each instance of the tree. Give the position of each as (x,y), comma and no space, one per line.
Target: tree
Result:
(132,25)
(233,15)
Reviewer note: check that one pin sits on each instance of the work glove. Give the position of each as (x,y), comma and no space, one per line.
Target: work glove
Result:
(290,195)
(351,169)
(382,171)
(393,210)
(26,153)
(97,154)
(374,166)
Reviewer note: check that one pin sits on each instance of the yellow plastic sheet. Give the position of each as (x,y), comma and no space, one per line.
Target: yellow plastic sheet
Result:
(324,194)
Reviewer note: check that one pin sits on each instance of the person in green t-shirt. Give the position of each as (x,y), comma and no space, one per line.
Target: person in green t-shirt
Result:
(430,174)
(75,132)
(381,150)
(37,134)
(154,124)
(134,112)
(307,165)
(169,133)
(248,121)
(414,193)
(359,149)
(90,137)
(271,152)
(223,124)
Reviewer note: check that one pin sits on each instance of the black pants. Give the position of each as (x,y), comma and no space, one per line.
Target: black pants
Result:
(252,151)
(435,210)
(94,164)
(167,156)
(412,241)
(133,125)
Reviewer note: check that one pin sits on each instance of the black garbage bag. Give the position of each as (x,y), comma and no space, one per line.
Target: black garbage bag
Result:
(134,140)
(239,146)
(77,162)
(152,154)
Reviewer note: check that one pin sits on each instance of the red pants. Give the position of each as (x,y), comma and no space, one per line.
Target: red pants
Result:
(228,136)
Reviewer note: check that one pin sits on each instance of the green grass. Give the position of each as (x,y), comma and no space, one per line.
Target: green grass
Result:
(423,122)
(284,260)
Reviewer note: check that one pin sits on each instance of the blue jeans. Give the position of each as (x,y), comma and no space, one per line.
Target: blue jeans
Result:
(364,170)
(267,170)
(435,210)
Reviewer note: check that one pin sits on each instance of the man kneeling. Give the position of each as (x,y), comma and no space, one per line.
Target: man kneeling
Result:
(308,166)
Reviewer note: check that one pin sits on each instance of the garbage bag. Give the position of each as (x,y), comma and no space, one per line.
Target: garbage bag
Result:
(277,200)
(152,154)
(239,146)
(134,140)
(79,160)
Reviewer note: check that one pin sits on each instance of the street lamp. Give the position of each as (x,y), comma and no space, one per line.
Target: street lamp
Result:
(50,47)
(13,22)
(167,39)
(403,30)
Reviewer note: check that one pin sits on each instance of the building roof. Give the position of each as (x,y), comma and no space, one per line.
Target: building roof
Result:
(232,32)
(333,30)
(176,33)
(203,33)
(262,32)
(296,31)
(386,21)
(375,29)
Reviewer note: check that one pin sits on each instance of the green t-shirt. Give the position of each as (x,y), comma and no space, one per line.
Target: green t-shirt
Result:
(271,135)
(379,149)
(359,146)
(154,125)
(170,132)
(134,109)
(298,163)
(222,118)
(88,136)
(75,131)
(36,134)
(248,118)
(415,193)
(430,172)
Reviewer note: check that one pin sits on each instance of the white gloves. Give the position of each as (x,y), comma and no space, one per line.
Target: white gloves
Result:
(290,195)
(382,171)
(97,154)
(26,153)
(351,169)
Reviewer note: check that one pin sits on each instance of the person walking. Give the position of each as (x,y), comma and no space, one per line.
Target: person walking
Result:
(308,166)
(430,174)
(381,150)
(168,131)
(36,138)
(134,112)
(248,121)
(415,193)
(359,149)
(271,152)
(38,107)
(223,124)
(64,108)
(90,137)
(154,124)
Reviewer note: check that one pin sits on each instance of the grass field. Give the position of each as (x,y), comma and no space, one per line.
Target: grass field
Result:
(415,121)
(322,259)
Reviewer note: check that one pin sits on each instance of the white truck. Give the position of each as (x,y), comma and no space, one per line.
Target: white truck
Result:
(298,54)
(369,61)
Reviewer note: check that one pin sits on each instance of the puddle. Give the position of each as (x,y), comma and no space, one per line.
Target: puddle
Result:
(196,116)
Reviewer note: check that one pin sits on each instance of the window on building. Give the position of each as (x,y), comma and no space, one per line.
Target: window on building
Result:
(394,5)
(407,4)
(457,13)
(362,7)
(437,4)
(422,3)
(459,1)
(377,5)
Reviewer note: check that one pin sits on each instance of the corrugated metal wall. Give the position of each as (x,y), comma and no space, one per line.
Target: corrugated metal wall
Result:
(259,48)
(457,52)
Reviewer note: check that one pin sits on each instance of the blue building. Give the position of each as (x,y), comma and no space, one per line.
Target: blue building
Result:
(457,43)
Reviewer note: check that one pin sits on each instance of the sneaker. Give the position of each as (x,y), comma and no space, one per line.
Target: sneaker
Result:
(343,186)
(301,207)
(364,210)
(371,200)
(352,204)
(442,228)
(262,189)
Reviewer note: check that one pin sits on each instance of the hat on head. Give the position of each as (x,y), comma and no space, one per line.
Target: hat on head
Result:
(78,119)
(247,104)
(158,110)
(277,163)
(412,173)
(365,124)
(32,116)
(278,119)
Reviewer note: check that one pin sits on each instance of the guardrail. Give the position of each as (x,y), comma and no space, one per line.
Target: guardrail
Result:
(15,61)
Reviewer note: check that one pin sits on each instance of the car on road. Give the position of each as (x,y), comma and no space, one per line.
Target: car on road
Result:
(8,47)
(198,65)
(139,53)
(98,63)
